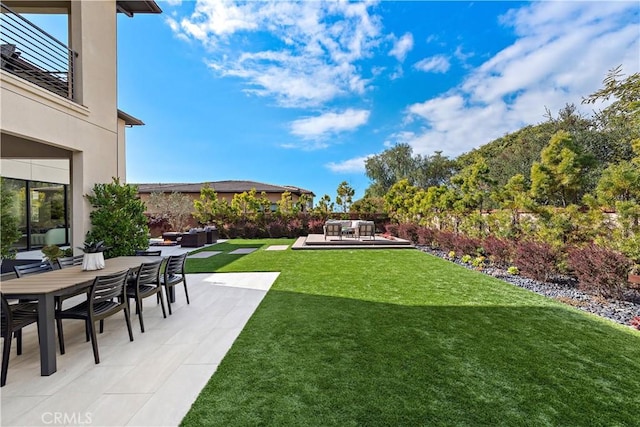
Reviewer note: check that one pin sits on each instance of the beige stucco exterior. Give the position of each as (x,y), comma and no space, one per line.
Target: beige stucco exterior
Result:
(86,132)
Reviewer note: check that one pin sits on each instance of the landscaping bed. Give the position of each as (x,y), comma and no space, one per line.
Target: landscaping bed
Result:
(564,289)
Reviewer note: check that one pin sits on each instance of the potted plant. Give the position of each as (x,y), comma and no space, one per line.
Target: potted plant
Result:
(93,258)
(52,253)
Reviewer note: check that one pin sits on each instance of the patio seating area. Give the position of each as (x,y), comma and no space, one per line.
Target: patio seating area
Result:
(170,362)
(320,241)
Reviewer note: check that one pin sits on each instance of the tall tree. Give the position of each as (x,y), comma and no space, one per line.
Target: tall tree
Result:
(389,167)
(345,196)
(174,208)
(620,121)
(434,170)
(399,201)
(211,210)
(558,177)
(474,184)
(324,206)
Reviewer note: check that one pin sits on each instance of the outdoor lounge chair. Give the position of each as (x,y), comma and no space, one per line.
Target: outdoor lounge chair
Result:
(367,228)
(332,229)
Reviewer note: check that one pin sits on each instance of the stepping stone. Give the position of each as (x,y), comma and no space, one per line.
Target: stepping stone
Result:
(205,254)
(277,248)
(242,251)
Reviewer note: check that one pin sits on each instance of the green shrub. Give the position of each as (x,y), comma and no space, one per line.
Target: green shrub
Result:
(10,232)
(478,261)
(513,270)
(466,259)
(118,218)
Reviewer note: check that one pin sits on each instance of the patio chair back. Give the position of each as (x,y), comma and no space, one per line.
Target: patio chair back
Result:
(148,253)
(332,229)
(107,288)
(33,268)
(146,283)
(367,229)
(69,261)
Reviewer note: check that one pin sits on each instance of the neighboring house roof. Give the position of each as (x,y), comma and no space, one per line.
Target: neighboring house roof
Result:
(129,120)
(221,187)
(131,7)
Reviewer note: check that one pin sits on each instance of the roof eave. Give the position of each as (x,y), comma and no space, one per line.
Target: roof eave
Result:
(132,7)
(129,120)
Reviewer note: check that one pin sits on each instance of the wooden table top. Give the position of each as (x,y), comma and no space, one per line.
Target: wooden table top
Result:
(57,280)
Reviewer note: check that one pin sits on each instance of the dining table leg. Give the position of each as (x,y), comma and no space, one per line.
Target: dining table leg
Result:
(47,334)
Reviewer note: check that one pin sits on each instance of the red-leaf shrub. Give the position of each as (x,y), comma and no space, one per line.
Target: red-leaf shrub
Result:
(408,232)
(498,250)
(295,228)
(445,240)
(230,231)
(600,270)
(249,230)
(635,322)
(465,245)
(391,229)
(315,226)
(536,260)
(426,236)
(277,229)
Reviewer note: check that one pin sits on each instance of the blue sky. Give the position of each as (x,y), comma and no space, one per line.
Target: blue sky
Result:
(301,93)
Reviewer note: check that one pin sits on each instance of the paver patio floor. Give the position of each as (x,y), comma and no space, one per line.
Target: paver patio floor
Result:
(151,381)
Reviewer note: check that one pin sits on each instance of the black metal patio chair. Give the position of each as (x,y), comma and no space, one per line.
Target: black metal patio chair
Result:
(106,298)
(14,318)
(146,283)
(174,275)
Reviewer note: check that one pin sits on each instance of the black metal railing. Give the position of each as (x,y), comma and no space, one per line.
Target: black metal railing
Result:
(32,54)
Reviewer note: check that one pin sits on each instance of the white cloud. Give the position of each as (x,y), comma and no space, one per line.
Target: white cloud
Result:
(402,47)
(174,2)
(398,72)
(563,52)
(355,165)
(329,123)
(315,46)
(434,64)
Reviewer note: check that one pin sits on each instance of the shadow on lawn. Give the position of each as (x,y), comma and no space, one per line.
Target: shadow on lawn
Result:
(317,360)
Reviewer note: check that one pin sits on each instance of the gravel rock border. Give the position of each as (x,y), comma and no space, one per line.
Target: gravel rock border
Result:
(563,289)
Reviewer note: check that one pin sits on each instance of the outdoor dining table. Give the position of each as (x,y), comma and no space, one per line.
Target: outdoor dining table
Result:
(44,287)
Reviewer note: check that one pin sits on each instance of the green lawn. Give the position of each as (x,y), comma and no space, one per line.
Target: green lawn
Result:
(402,338)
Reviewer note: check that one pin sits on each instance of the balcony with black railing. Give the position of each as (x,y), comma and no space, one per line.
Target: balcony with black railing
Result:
(34,55)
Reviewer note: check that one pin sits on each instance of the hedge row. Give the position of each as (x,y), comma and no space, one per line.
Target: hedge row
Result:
(600,271)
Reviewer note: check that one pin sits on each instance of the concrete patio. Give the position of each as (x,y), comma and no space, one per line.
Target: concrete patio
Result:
(151,381)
